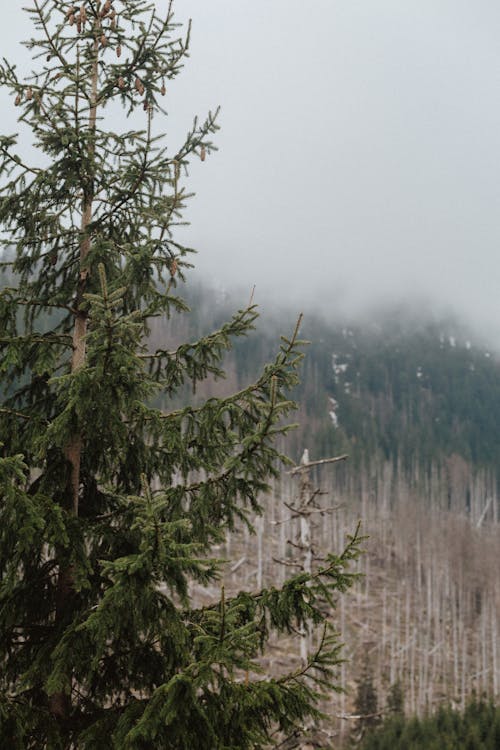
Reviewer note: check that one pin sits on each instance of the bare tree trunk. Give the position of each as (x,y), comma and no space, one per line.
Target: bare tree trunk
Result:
(259,527)
(494,647)
(305,541)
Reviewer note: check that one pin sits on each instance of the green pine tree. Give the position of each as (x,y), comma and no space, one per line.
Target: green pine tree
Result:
(365,704)
(109,507)
(396,699)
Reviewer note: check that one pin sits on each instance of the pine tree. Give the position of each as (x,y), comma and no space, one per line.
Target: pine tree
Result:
(396,699)
(366,703)
(109,507)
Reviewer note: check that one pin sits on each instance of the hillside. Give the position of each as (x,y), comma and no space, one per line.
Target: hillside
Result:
(411,400)
(412,394)
(415,405)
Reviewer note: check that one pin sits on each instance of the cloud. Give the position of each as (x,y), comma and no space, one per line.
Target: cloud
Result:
(359,152)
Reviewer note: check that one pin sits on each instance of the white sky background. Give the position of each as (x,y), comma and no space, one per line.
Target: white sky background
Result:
(359,155)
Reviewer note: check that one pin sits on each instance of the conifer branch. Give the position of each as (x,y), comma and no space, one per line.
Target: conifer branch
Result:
(50,338)
(14,413)
(55,50)
(18,161)
(130,194)
(331,571)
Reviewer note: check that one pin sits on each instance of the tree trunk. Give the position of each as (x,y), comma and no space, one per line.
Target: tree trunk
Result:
(60,702)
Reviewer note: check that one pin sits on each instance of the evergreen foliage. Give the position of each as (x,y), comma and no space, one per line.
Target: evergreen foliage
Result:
(109,506)
(366,704)
(477,728)
(396,699)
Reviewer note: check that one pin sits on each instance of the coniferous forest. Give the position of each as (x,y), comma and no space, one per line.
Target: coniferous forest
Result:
(418,396)
(217,531)
(476,728)
(425,614)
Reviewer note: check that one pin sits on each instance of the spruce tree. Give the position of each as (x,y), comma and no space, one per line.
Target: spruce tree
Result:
(396,699)
(109,506)
(366,703)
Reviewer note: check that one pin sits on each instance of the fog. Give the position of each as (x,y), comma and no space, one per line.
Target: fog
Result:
(359,154)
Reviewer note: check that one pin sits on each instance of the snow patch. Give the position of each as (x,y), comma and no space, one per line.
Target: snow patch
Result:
(339,368)
(333,412)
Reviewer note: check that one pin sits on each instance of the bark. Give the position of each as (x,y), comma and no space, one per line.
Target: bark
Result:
(60,702)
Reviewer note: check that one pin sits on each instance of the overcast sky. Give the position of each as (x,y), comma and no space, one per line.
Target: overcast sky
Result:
(359,153)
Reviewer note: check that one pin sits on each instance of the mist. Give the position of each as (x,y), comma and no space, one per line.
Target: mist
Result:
(358,154)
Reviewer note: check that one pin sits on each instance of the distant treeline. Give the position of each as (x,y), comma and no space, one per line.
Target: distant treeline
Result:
(477,728)
(413,393)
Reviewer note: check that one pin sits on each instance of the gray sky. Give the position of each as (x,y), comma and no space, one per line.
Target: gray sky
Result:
(359,153)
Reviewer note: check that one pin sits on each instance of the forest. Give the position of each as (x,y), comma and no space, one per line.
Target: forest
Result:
(415,395)
(476,728)
(424,615)
(217,531)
